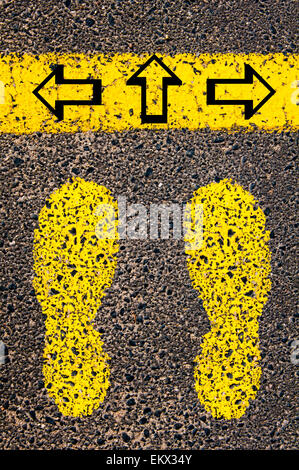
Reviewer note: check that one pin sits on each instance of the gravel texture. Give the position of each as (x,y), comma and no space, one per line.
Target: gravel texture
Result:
(151,319)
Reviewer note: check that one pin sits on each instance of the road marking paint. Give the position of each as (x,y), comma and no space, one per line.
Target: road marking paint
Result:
(2,93)
(73,268)
(295,94)
(231,272)
(120,110)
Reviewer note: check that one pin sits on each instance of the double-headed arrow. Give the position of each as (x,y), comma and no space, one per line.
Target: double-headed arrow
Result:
(163,78)
(250,109)
(58,75)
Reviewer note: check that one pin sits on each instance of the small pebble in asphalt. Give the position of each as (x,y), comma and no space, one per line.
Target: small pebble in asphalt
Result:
(3,353)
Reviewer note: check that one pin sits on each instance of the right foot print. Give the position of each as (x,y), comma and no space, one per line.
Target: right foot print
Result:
(73,267)
(230,270)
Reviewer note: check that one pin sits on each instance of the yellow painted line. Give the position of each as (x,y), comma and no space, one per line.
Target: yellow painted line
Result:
(22,112)
(2,93)
(73,267)
(231,272)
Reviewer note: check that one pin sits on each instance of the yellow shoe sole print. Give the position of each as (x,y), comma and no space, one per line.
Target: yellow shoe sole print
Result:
(230,269)
(73,266)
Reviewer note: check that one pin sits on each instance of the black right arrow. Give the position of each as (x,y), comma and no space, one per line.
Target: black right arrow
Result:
(248,104)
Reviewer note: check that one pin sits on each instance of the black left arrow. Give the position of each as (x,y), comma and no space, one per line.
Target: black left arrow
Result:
(58,74)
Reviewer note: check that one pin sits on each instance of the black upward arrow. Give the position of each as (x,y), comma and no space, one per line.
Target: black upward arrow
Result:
(140,79)
(250,110)
(58,74)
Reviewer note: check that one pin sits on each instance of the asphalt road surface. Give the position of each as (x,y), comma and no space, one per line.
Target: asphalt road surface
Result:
(151,319)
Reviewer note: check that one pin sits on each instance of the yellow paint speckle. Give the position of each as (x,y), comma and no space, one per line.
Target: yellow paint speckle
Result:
(231,271)
(73,267)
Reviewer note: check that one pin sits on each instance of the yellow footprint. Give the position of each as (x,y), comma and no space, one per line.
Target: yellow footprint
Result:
(230,269)
(73,265)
